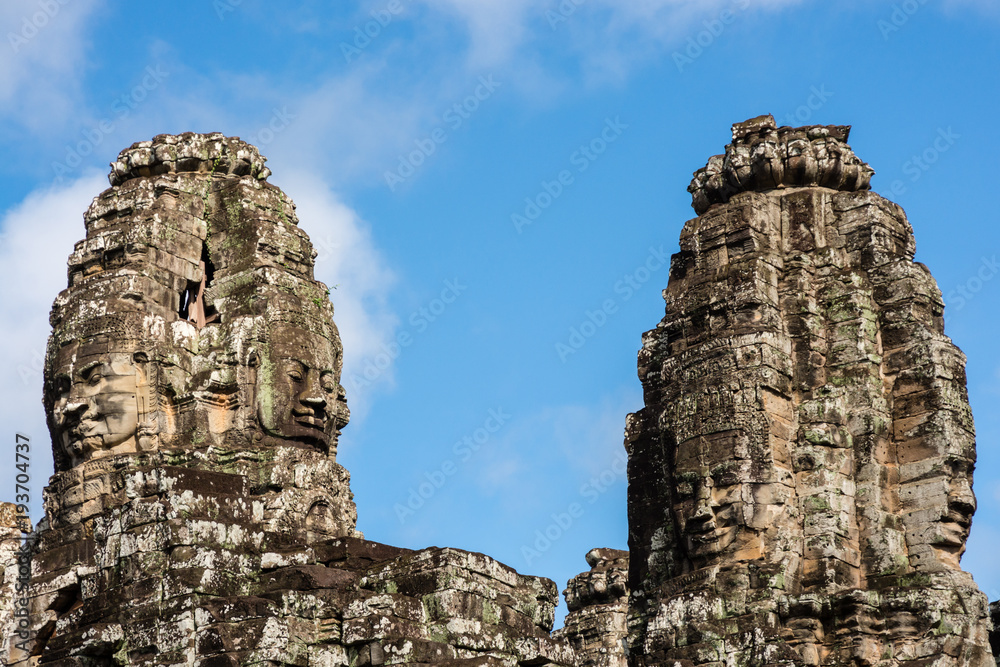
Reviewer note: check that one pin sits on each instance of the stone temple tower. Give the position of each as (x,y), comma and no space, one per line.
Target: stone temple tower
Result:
(800,476)
(198,515)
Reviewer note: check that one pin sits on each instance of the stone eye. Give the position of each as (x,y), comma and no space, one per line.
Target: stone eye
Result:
(93,375)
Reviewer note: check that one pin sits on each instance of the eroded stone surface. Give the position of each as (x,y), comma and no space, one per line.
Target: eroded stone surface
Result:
(598,606)
(14,573)
(198,515)
(764,157)
(800,476)
(995,633)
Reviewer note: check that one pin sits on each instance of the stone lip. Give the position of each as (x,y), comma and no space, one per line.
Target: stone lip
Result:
(212,153)
(764,157)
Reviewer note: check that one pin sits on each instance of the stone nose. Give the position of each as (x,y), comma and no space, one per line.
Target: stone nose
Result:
(73,411)
(960,496)
(312,395)
(703,509)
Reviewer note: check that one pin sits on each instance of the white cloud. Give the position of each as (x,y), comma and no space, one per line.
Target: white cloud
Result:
(988,7)
(583,440)
(38,236)
(608,36)
(42,60)
(496,27)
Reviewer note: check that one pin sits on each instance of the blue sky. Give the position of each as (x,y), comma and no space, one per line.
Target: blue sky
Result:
(482,178)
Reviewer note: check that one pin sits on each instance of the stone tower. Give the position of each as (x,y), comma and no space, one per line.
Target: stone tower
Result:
(800,476)
(198,515)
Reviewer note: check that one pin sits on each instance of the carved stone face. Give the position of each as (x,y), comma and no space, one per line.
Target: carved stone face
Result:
(95,410)
(708,509)
(299,393)
(709,492)
(953,527)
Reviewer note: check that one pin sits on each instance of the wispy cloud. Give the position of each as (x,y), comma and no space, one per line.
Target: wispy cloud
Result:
(42,60)
(37,237)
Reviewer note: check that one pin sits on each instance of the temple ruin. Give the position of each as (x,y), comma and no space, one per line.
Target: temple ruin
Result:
(799,478)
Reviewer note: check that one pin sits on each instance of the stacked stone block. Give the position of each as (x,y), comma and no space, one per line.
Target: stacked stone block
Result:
(800,478)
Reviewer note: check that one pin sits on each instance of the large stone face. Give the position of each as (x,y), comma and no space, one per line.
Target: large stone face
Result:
(198,515)
(800,476)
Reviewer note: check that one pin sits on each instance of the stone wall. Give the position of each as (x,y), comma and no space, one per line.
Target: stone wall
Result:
(800,475)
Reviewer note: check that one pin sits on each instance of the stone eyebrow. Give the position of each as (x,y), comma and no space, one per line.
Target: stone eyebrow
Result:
(87,369)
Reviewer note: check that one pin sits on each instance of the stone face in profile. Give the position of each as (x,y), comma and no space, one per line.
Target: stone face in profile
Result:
(800,476)
(198,514)
(299,394)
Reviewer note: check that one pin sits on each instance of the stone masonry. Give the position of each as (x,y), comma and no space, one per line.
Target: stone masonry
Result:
(198,515)
(800,476)
(598,607)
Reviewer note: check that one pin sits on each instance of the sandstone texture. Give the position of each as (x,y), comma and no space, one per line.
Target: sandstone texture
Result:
(198,515)
(15,574)
(598,608)
(800,476)
(995,633)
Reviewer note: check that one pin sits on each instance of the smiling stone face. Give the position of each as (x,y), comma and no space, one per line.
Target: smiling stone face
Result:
(97,403)
(721,501)
(707,511)
(300,397)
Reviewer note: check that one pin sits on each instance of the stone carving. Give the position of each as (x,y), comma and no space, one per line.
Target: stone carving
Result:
(764,157)
(800,475)
(198,514)
(598,605)
(800,478)
(13,573)
(194,265)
